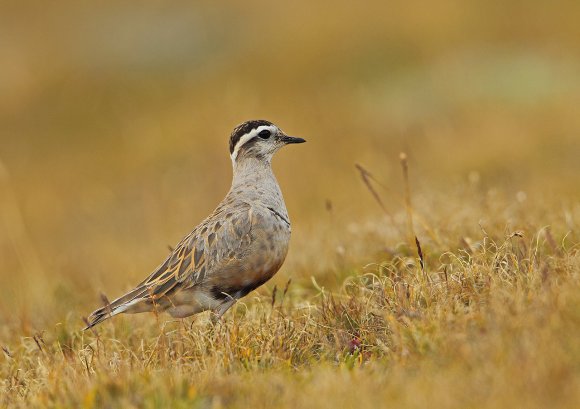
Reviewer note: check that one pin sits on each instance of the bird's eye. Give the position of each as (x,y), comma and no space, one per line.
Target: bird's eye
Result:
(265,134)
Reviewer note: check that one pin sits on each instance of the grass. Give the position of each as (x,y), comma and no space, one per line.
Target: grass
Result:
(492,323)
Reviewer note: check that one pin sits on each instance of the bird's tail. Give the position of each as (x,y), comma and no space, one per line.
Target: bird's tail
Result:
(99,316)
(120,305)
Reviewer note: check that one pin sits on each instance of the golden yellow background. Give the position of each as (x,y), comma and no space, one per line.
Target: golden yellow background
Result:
(114,126)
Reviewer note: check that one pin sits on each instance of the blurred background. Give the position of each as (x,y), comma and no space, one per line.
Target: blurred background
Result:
(115,118)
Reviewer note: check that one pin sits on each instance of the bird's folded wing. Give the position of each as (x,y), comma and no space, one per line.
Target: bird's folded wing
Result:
(221,239)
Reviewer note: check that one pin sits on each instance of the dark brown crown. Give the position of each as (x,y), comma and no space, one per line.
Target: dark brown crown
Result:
(243,129)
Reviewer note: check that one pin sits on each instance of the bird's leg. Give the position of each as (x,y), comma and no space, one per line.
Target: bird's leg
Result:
(217,314)
(214,318)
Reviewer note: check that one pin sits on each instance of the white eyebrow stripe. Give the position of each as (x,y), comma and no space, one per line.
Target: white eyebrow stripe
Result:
(249,136)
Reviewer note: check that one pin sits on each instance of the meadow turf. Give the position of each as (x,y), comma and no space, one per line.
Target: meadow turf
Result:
(488,315)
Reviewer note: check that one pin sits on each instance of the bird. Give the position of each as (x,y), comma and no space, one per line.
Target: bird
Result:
(235,250)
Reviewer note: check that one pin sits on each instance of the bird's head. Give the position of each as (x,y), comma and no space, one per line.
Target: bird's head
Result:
(258,139)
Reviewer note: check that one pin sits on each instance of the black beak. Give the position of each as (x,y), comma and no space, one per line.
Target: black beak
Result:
(291,139)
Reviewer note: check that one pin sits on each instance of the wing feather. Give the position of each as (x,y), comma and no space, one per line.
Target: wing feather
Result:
(214,244)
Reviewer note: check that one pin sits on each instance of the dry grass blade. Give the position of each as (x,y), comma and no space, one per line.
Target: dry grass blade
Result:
(7,352)
(420,253)
(39,341)
(367,177)
(274,296)
(287,287)
(408,205)
(551,241)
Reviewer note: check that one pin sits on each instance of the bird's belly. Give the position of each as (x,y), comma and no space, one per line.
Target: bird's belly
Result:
(257,265)
(191,301)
